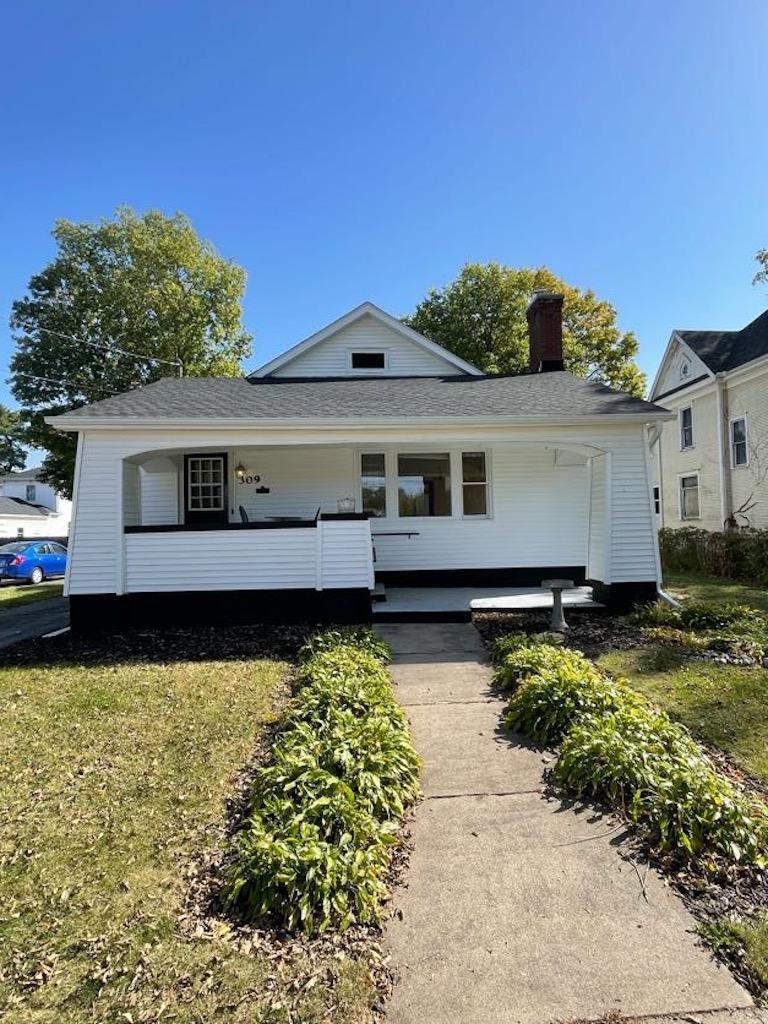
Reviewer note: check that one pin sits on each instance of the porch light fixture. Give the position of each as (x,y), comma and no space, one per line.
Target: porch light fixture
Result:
(240,472)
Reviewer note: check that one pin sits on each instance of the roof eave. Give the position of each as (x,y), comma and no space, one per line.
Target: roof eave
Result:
(66,423)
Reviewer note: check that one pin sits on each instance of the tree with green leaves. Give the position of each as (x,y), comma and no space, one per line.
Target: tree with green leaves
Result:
(124,302)
(761,277)
(481,317)
(12,437)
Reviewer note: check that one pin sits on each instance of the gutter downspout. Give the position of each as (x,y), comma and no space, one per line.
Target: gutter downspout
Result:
(722,448)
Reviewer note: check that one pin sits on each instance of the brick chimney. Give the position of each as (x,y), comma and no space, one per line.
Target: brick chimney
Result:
(545,331)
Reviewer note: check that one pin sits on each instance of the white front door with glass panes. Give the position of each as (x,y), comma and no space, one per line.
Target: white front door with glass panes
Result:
(205,489)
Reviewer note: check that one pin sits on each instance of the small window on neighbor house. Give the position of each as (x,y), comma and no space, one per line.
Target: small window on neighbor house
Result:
(686,427)
(689,497)
(739,442)
(474,484)
(373,480)
(19,531)
(657,500)
(368,361)
(31,492)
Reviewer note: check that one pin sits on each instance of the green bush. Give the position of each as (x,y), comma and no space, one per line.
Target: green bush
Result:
(732,554)
(511,642)
(732,628)
(529,660)
(619,748)
(639,760)
(361,637)
(323,814)
(565,692)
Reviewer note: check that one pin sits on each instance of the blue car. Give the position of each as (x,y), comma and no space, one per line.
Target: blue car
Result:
(32,560)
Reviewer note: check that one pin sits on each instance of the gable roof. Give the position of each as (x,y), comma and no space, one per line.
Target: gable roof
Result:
(726,350)
(22,474)
(364,309)
(542,397)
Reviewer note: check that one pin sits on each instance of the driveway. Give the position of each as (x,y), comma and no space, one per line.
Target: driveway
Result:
(33,620)
(516,908)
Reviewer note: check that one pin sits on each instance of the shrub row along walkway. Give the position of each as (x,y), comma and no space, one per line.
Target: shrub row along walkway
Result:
(517,908)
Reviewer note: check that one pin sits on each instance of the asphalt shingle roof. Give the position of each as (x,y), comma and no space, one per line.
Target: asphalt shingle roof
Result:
(18,507)
(535,395)
(725,350)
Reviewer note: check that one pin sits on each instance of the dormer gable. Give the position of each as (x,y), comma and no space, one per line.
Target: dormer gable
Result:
(680,366)
(366,342)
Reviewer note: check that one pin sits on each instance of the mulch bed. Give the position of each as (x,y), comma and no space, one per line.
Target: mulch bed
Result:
(591,632)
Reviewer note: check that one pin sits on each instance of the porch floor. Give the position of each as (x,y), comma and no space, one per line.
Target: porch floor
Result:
(458,603)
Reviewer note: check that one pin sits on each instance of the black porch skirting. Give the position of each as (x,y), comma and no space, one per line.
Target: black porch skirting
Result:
(96,613)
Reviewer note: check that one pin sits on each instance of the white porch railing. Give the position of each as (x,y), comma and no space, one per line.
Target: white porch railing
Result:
(323,556)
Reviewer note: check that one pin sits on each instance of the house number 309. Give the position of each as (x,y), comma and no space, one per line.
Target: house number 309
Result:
(251,479)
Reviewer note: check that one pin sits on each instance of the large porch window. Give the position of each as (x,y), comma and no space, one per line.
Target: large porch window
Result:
(424,484)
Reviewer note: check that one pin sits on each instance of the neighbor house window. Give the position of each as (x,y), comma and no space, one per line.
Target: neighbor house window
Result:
(686,427)
(373,479)
(474,484)
(19,531)
(31,492)
(368,360)
(689,496)
(424,484)
(739,442)
(657,500)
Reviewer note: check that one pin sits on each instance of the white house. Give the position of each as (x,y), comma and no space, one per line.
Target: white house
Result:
(29,507)
(712,463)
(365,453)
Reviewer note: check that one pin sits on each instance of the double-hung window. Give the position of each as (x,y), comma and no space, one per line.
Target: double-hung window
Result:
(739,456)
(474,484)
(689,496)
(373,480)
(686,428)
(31,492)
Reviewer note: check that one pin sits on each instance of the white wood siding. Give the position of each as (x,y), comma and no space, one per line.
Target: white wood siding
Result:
(599,535)
(330,358)
(333,555)
(160,492)
(539,509)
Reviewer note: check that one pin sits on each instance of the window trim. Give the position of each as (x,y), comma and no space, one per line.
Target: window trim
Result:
(377,349)
(391,452)
(681,410)
(732,443)
(680,478)
(475,483)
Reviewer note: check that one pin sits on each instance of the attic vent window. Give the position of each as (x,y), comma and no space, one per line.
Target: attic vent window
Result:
(368,360)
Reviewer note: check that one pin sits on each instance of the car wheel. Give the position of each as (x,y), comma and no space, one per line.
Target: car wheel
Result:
(37,575)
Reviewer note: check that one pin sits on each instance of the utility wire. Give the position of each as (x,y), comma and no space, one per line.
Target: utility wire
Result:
(111,348)
(50,380)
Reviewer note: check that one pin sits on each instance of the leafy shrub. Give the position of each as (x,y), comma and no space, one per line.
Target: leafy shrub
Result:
(732,554)
(672,637)
(530,660)
(509,643)
(567,691)
(361,637)
(619,748)
(638,759)
(324,812)
(732,628)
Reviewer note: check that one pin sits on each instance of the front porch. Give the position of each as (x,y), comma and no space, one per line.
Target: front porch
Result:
(456,604)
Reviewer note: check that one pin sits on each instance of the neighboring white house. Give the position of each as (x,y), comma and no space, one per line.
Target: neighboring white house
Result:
(712,463)
(31,508)
(364,453)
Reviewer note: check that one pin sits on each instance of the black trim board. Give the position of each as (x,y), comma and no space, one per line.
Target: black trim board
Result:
(511,576)
(96,613)
(622,597)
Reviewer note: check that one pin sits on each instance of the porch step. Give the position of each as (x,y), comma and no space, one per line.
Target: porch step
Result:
(379,593)
(426,616)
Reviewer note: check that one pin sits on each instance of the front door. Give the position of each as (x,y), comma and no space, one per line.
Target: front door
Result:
(206,498)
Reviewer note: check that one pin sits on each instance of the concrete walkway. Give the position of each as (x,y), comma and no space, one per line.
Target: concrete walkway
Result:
(517,909)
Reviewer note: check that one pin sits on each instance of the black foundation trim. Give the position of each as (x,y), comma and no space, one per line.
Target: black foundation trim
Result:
(97,613)
(622,597)
(512,576)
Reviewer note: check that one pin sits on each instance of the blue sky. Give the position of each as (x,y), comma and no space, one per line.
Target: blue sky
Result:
(343,151)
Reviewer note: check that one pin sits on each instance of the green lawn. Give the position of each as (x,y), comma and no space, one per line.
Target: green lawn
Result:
(711,588)
(113,778)
(14,594)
